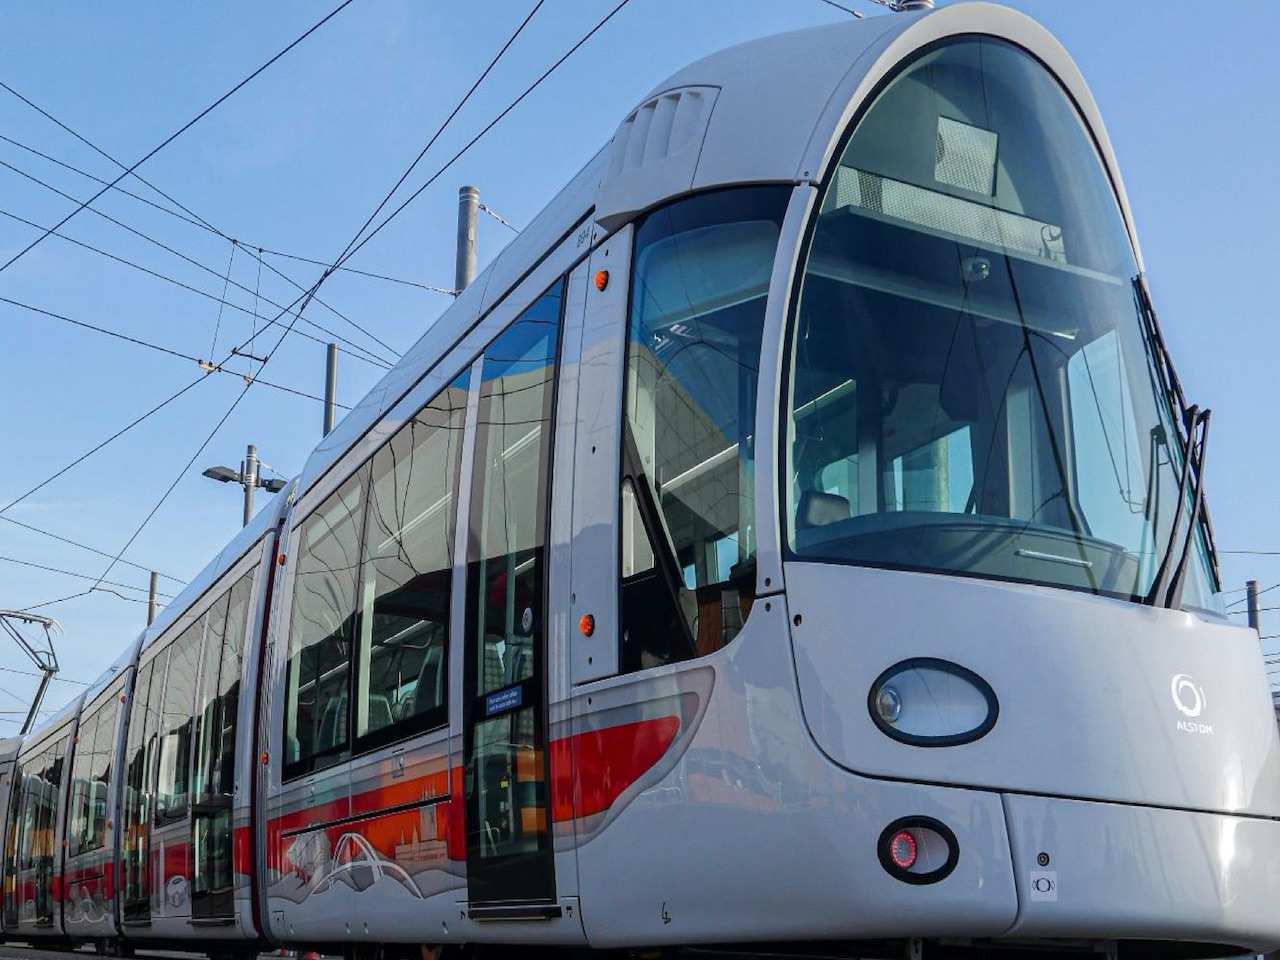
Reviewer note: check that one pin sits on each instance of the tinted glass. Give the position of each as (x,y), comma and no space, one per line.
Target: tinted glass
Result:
(321,629)
(408,571)
(972,388)
(79,829)
(138,746)
(508,845)
(699,284)
(173,776)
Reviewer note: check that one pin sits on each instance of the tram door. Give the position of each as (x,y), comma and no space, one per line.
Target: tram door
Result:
(213,770)
(509,849)
(135,841)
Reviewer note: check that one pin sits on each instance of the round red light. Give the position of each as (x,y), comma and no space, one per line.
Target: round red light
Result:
(902,850)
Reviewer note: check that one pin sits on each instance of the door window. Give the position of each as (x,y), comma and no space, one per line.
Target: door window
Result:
(508,838)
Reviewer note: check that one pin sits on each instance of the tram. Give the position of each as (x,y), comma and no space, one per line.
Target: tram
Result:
(795,536)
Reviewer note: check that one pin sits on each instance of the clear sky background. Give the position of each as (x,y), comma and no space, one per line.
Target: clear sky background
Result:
(296,161)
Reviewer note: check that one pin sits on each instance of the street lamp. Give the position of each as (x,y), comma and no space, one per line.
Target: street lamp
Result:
(248,477)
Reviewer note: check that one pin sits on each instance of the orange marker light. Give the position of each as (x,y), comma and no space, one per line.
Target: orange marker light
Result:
(587,625)
(602,279)
(263,758)
(280,560)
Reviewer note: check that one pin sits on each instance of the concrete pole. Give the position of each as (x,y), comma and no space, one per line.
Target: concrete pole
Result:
(153,601)
(249,477)
(468,216)
(1255,614)
(331,389)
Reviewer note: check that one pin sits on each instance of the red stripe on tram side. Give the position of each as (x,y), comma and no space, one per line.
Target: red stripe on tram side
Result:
(401,793)
(455,820)
(241,851)
(589,771)
(606,762)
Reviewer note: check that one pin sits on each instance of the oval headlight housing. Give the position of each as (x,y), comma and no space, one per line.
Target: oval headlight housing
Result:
(932,703)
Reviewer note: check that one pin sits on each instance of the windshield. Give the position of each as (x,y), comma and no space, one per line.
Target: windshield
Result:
(971,387)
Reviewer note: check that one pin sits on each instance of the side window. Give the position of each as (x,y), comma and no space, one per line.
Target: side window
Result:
(699,283)
(320,630)
(208,707)
(100,771)
(11,845)
(221,778)
(173,778)
(81,825)
(408,572)
(137,761)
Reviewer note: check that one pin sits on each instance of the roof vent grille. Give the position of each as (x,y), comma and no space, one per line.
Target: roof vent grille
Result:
(661,127)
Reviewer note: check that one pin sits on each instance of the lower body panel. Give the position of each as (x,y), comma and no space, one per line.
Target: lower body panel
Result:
(1110,871)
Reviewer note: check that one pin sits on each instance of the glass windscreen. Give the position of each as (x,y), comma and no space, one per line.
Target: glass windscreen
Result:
(972,388)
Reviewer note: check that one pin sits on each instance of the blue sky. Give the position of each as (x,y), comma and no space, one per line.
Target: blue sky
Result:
(297,161)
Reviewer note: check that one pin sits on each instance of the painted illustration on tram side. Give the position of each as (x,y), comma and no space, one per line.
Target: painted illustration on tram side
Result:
(749,526)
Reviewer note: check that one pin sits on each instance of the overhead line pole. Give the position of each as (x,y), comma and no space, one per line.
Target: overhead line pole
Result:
(468,217)
(1255,614)
(331,389)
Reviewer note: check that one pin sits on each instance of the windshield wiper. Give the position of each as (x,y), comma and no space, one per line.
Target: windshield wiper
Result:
(1166,590)
(1167,586)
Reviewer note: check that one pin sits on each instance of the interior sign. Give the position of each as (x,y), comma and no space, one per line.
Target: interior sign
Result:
(503,700)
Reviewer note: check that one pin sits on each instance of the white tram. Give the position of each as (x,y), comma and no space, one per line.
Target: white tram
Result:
(795,535)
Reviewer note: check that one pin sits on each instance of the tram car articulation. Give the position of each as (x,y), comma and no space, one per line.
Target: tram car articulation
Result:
(795,535)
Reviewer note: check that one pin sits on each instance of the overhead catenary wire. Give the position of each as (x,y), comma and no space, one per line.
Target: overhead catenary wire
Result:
(160,348)
(209,439)
(346,253)
(355,245)
(188,215)
(50,603)
(364,273)
(483,132)
(1259,593)
(351,247)
(57,679)
(176,134)
(78,576)
(363,353)
(193,219)
(502,220)
(84,546)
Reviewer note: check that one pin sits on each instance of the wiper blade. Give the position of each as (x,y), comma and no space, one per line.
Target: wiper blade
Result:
(1173,599)
(1166,589)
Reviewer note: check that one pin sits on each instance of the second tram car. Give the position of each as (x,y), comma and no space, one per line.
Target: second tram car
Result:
(796,534)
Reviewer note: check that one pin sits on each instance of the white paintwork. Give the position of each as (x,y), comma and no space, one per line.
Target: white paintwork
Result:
(1084,685)
(596,462)
(769,552)
(1138,872)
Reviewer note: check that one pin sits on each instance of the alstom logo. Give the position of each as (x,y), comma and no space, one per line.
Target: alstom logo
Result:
(1190,701)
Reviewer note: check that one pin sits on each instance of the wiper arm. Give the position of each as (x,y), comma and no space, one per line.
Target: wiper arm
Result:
(1173,599)
(1166,589)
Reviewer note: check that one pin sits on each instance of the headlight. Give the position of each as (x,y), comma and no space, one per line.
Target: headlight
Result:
(932,703)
